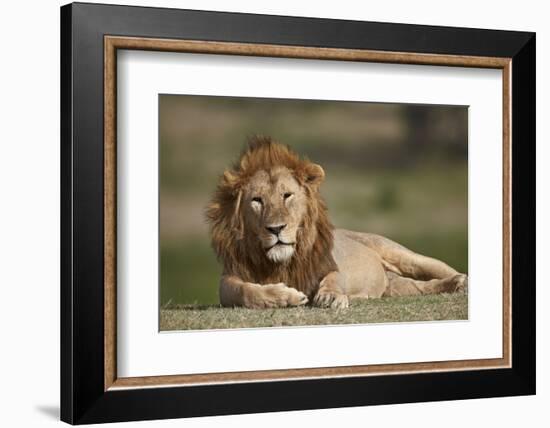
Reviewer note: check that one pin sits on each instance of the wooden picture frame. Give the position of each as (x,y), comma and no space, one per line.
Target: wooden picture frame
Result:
(91,390)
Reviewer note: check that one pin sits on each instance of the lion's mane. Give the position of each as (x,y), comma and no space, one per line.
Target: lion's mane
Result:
(240,253)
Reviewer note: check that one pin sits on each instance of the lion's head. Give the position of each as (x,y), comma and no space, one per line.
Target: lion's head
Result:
(268,220)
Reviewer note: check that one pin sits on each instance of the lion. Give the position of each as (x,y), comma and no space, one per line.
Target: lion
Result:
(271,231)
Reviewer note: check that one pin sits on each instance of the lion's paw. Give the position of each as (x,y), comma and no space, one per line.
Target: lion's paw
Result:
(280,296)
(329,299)
(460,283)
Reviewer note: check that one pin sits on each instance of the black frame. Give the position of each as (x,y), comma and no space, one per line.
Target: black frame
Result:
(83,399)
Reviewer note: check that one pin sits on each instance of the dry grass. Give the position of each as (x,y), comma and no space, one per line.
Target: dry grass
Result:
(385,310)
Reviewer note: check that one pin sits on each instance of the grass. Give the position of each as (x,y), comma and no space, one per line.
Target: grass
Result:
(384,310)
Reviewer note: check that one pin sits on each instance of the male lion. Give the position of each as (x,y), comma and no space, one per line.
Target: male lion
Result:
(270,228)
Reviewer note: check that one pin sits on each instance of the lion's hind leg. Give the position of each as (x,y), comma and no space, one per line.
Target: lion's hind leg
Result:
(410,273)
(416,266)
(399,259)
(402,286)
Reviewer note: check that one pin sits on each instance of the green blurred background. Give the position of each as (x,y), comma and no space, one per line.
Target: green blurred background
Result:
(399,170)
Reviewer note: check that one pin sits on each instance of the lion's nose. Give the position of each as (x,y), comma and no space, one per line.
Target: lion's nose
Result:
(276,229)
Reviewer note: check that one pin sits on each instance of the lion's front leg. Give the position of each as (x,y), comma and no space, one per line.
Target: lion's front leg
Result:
(236,292)
(331,293)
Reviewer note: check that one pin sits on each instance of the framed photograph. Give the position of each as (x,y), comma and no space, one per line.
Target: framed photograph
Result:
(266,213)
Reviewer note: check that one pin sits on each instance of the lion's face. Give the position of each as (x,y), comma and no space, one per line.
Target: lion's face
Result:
(268,220)
(274,205)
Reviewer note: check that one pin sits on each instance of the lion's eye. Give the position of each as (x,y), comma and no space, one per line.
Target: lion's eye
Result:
(287,195)
(257,199)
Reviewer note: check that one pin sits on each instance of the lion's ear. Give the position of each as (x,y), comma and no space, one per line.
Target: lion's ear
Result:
(314,174)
